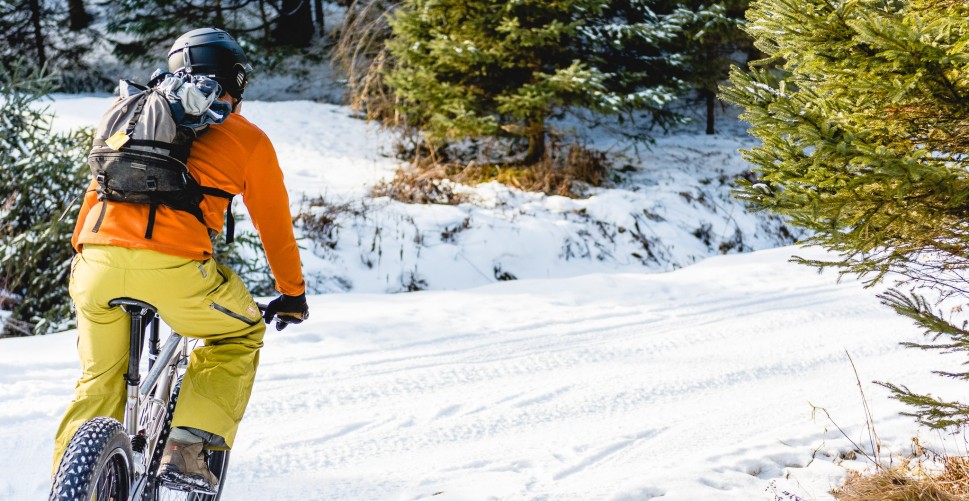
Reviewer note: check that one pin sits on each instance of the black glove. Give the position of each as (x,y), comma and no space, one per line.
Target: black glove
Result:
(288,310)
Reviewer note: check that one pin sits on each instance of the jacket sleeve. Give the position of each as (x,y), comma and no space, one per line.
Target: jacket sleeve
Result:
(90,198)
(265,196)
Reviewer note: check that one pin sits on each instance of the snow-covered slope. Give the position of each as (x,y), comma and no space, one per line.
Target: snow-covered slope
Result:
(690,385)
(669,207)
(602,375)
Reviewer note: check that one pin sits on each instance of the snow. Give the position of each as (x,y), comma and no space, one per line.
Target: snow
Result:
(670,208)
(596,375)
(693,384)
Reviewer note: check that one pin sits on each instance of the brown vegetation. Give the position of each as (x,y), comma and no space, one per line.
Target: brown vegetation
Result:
(912,482)
(563,171)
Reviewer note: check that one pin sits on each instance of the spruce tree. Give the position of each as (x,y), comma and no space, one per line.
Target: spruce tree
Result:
(262,28)
(502,69)
(50,34)
(865,132)
(711,40)
(44,173)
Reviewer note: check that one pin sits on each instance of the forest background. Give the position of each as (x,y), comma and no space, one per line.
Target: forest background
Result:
(474,92)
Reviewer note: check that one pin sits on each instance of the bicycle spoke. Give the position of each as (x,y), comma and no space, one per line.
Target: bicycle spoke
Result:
(109,484)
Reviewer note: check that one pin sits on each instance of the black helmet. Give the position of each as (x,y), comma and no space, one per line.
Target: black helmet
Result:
(212,52)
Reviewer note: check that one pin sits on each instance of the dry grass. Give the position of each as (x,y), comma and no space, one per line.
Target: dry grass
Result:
(955,476)
(553,175)
(428,185)
(947,480)
(898,484)
(361,54)
(564,173)
(925,475)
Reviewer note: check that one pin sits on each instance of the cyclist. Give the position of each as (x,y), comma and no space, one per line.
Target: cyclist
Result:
(174,271)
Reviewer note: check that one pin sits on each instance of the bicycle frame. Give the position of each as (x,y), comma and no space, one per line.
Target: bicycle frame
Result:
(147,400)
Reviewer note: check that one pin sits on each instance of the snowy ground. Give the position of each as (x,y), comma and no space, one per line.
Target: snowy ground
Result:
(603,374)
(689,385)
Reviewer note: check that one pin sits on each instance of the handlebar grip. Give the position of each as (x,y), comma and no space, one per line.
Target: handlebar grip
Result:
(280,325)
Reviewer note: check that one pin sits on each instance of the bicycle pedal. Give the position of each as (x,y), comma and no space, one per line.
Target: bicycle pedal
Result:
(188,489)
(175,484)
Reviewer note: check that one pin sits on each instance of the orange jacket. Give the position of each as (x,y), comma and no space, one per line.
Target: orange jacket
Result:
(234,156)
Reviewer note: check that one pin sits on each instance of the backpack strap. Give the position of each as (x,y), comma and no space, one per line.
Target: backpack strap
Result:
(230,220)
(177,151)
(152,209)
(104,208)
(137,114)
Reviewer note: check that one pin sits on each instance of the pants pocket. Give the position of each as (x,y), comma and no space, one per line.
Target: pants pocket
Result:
(232,298)
(70,283)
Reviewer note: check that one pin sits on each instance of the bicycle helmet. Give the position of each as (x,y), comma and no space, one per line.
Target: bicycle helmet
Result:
(212,52)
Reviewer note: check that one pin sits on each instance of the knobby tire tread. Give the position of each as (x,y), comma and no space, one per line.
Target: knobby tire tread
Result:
(93,446)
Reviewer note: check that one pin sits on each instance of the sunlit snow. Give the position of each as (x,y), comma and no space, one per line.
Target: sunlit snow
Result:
(613,379)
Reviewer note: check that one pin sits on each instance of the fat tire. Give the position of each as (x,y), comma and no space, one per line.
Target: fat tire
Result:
(218,460)
(99,445)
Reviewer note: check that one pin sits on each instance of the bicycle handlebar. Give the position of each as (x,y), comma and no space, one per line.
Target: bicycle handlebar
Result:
(280,323)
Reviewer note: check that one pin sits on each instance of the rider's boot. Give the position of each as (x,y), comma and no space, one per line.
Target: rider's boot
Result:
(183,464)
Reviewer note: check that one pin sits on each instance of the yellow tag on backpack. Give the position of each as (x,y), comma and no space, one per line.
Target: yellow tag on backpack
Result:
(117,140)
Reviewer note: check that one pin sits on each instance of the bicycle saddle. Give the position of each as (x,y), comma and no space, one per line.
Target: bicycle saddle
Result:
(133,305)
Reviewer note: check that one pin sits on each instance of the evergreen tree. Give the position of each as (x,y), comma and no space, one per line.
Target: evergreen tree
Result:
(34,30)
(43,175)
(502,69)
(261,27)
(711,41)
(865,131)
(78,16)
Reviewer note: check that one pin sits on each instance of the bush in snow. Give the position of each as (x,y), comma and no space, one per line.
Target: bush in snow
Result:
(865,134)
(42,178)
(566,169)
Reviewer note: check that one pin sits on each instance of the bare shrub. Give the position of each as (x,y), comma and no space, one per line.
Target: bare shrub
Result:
(414,185)
(319,219)
(363,57)
(565,171)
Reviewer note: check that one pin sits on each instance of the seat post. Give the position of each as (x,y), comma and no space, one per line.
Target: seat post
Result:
(153,341)
(141,314)
(136,340)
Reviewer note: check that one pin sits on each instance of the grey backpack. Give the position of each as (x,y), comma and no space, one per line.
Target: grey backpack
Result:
(143,142)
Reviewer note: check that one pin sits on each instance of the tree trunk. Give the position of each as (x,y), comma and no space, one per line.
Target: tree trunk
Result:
(294,26)
(35,18)
(711,99)
(78,16)
(536,141)
(219,15)
(267,32)
(320,17)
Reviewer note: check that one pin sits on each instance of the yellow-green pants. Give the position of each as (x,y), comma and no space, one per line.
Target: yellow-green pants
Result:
(198,299)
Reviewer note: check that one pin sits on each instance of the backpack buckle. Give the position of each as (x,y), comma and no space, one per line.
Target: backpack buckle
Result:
(100,179)
(151,184)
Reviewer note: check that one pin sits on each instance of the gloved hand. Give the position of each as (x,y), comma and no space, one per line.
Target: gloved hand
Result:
(288,310)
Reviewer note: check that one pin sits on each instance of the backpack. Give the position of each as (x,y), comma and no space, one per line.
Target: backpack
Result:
(143,142)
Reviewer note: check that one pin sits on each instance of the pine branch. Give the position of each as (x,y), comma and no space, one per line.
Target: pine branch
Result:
(930,411)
